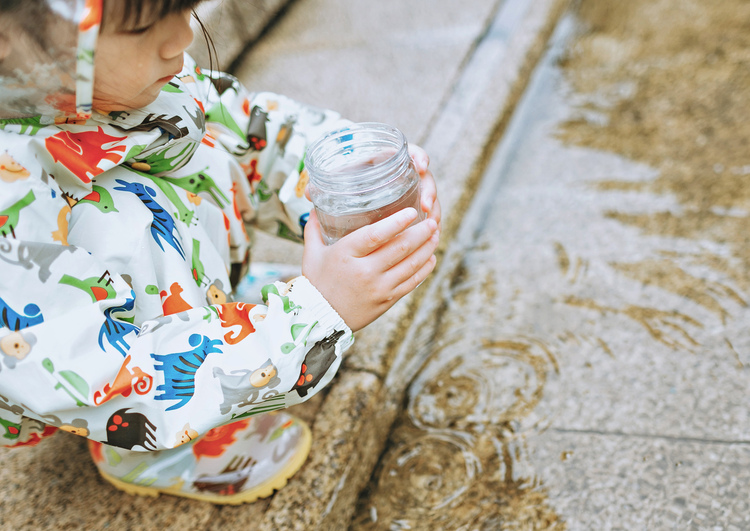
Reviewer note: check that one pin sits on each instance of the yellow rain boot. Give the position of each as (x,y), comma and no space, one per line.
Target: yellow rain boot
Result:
(232,464)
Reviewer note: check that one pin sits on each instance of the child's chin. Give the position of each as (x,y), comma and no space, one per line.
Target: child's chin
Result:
(143,99)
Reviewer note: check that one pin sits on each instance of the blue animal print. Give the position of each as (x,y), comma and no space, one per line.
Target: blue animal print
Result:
(180,368)
(9,318)
(162,228)
(115,330)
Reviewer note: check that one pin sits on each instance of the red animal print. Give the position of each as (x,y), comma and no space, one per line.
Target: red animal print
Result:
(228,226)
(82,152)
(252,173)
(200,104)
(209,140)
(124,383)
(235,191)
(97,451)
(173,302)
(92,15)
(35,438)
(236,314)
(215,442)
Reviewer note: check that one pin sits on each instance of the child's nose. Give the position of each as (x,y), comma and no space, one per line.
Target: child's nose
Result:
(178,35)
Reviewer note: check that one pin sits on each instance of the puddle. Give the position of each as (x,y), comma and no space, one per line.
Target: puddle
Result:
(439,481)
(457,456)
(480,383)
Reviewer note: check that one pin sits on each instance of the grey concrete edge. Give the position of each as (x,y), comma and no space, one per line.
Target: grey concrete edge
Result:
(352,424)
(232,25)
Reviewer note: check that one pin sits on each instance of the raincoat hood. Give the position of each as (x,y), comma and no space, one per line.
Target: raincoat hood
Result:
(47,57)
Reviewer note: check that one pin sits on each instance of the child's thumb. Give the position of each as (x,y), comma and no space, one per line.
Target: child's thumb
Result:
(312,233)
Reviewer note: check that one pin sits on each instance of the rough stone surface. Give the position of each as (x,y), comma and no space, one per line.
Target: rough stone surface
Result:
(644,482)
(349,437)
(55,485)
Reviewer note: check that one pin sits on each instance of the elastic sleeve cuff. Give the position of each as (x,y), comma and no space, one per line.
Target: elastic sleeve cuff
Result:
(310,299)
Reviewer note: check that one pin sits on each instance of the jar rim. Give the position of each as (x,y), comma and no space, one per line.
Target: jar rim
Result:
(364,137)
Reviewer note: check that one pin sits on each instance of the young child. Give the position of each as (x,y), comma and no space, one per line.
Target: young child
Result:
(127,175)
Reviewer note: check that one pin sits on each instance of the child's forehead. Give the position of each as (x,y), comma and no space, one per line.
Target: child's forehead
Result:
(129,13)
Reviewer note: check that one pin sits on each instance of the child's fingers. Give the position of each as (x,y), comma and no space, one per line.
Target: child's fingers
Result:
(405,245)
(411,282)
(420,157)
(409,264)
(436,212)
(312,235)
(428,188)
(427,191)
(367,239)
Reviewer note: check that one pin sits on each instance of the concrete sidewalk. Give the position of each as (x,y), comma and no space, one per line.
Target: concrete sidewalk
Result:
(448,74)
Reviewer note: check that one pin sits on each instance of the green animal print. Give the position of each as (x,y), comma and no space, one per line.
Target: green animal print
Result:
(99,289)
(200,182)
(199,270)
(12,429)
(100,198)
(30,125)
(9,217)
(69,382)
(271,404)
(289,306)
(221,115)
(161,162)
(169,87)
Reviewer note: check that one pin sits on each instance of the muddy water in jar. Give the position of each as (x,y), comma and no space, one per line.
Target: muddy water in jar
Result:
(360,175)
(336,225)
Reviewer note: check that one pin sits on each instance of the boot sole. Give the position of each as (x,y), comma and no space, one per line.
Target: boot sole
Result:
(263,490)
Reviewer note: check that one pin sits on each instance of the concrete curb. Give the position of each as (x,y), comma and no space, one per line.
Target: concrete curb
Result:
(351,427)
(233,25)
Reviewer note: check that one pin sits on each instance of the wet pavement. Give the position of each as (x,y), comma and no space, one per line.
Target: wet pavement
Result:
(590,367)
(580,358)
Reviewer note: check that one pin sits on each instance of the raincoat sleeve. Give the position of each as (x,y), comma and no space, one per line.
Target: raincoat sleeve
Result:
(269,134)
(73,354)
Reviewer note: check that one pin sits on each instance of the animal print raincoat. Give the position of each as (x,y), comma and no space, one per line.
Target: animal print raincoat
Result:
(118,235)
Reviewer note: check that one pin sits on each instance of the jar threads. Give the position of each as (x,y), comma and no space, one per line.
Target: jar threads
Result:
(359,175)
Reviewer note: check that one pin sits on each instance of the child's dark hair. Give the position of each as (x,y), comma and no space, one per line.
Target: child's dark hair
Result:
(131,12)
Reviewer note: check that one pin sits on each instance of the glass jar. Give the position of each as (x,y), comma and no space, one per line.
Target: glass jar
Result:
(359,175)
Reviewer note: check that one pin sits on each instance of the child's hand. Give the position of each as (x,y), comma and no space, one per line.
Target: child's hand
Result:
(364,273)
(430,203)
